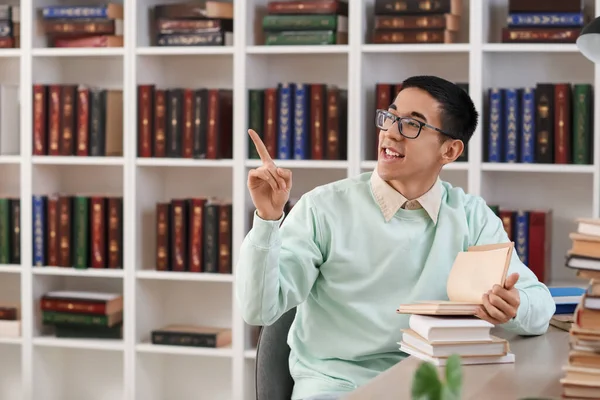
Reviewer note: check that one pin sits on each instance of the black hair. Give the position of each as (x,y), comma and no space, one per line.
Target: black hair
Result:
(459,115)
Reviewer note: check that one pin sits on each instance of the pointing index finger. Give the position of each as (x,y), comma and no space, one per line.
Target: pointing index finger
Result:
(260,147)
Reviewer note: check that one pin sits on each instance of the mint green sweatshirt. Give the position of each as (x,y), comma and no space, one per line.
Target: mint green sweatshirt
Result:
(346,270)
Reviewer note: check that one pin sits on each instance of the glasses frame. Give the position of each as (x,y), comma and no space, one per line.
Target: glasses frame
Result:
(421,124)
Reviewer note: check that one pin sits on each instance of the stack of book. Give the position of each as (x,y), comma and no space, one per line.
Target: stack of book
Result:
(435,338)
(582,372)
(83,26)
(409,22)
(543,21)
(314,22)
(75,314)
(10,321)
(206,23)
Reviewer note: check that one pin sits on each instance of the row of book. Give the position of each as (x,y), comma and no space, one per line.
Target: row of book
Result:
(194,235)
(10,26)
(549,123)
(317,22)
(300,121)
(77,120)
(10,230)
(410,22)
(582,370)
(185,122)
(543,21)
(531,230)
(78,231)
(208,23)
(82,25)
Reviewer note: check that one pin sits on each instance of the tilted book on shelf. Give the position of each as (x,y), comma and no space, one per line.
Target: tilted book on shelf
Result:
(473,273)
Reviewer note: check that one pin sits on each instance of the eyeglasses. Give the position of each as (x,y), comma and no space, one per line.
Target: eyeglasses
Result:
(408,127)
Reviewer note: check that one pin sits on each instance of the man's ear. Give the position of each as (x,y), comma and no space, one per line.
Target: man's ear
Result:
(451,150)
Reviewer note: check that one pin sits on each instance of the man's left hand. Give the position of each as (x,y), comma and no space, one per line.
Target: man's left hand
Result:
(500,304)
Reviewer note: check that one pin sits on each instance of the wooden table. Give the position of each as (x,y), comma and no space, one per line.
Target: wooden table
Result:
(536,372)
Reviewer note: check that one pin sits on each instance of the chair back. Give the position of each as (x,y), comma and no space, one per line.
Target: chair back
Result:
(272,376)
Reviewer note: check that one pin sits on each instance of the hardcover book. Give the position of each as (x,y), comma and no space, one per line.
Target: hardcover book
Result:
(473,273)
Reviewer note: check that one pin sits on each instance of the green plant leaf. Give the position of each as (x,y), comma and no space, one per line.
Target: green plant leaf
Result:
(449,394)
(454,375)
(426,383)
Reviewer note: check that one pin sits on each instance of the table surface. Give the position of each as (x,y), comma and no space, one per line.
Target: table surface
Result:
(538,368)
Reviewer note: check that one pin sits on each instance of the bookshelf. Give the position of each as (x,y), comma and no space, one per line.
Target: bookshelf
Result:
(36,367)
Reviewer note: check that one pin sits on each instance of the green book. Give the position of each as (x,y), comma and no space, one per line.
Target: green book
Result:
(582,124)
(81,229)
(4,231)
(305,22)
(256,113)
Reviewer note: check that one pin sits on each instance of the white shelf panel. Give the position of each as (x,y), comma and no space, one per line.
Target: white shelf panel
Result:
(184,350)
(182,162)
(10,159)
(530,48)
(185,50)
(10,53)
(10,341)
(91,272)
(10,269)
(542,168)
(184,276)
(416,48)
(250,354)
(79,52)
(319,49)
(76,160)
(309,164)
(457,166)
(89,344)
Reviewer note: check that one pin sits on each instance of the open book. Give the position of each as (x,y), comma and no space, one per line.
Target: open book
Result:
(473,273)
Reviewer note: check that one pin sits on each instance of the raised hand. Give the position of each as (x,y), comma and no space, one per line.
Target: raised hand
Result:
(269,185)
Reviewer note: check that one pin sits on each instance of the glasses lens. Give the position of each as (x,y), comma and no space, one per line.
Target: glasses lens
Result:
(384,120)
(410,128)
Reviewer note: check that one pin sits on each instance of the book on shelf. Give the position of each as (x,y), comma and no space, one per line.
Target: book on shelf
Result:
(582,371)
(194,235)
(185,122)
(77,120)
(77,231)
(82,25)
(435,338)
(305,22)
(531,230)
(192,336)
(413,22)
(10,320)
(473,273)
(205,23)
(544,21)
(83,314)
(300,121)
(546,123)
(10,230)
(10,26)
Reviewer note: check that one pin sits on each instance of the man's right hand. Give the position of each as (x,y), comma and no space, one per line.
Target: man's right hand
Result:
(269,185)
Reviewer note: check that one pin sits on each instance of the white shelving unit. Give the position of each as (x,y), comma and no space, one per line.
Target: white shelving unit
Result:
(45,368)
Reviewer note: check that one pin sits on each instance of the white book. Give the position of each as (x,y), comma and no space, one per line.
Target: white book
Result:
(441,329)
(509,358)
(497,347)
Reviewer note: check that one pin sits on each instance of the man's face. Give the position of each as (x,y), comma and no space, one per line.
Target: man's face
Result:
(420,156)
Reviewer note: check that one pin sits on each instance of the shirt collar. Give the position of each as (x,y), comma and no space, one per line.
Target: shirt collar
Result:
(390,200)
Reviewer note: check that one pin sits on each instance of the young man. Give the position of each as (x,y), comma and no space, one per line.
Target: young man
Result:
(351,251)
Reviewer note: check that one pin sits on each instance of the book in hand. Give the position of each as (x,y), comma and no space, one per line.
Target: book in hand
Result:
(473,274)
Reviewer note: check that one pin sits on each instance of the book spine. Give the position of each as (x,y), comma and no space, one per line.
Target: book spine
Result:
(545,19)
(256,99)
(39,225)
(496,127)
(4,231)
(15,229)
(511,126)
(301,118)
(522,235)
(528,125)
(286,120)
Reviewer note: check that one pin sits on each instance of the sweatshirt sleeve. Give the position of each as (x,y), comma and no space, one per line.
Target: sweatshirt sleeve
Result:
(278,264)
(536,303)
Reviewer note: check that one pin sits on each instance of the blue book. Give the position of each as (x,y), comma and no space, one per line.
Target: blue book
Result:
(545,19)
(39,230)
(522,235)
(566,298)
(285,126)
(301,121)
(512,125)
(496,125)
(527,125)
